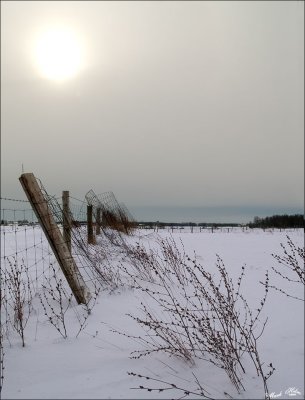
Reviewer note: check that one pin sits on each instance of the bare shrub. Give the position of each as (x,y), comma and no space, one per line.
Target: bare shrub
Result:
(87,309)
(165,386)
(4,307)
(148,265)
(141,261)
(18,295)
(197,315)
(1,359)
(290,266)
(55,301)
(173,260)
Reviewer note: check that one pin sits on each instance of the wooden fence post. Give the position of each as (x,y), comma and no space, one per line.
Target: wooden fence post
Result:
(90,224)
(55,238)
(66,219)
(98,221)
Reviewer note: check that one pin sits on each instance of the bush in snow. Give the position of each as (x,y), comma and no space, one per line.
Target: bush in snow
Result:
(196,315)
(290,266)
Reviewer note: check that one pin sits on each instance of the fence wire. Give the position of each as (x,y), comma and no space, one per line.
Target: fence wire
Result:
(23,241)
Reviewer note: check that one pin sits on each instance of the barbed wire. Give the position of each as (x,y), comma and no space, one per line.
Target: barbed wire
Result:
(81,201)
(21,201)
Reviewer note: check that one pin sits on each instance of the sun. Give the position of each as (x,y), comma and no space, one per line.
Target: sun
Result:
(58,54)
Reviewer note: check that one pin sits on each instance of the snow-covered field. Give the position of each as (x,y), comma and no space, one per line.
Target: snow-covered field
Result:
(95,364)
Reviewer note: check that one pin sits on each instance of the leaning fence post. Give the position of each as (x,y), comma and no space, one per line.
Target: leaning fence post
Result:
(55,238)
(90,224)
(66,218)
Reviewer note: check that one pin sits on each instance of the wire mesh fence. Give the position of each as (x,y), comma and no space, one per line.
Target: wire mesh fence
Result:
(30,269)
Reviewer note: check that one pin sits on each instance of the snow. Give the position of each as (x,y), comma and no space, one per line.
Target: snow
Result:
(95,363)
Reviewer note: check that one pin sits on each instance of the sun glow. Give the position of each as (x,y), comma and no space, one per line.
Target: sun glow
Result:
(58,54)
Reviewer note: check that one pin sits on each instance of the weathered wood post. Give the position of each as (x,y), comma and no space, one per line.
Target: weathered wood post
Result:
(90,224)
(55,238)
(98,221)
(66,219)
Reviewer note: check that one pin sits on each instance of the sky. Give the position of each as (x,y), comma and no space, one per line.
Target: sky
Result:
(174,104)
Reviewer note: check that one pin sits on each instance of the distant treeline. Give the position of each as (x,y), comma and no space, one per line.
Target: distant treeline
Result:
(182,224)
(276,221)
(279,221)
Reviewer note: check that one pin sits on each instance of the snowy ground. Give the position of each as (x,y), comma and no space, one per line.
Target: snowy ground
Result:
(95,364)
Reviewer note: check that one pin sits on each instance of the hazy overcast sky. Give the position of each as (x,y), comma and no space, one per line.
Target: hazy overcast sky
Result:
(178,103)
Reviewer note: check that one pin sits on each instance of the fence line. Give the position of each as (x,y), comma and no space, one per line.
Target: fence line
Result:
(23,241)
